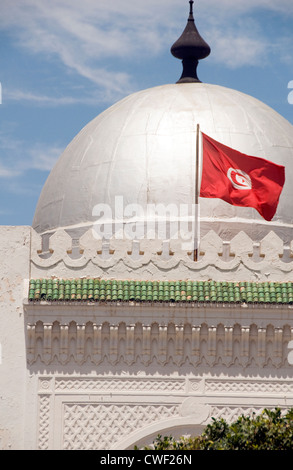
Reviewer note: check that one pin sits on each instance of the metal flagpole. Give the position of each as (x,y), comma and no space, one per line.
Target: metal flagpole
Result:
(196,241)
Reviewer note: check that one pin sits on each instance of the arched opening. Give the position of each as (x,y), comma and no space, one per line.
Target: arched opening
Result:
(176,427)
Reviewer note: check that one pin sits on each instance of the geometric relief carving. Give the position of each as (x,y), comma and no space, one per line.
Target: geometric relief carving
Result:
(232,413)
(248,386)
(44,422)
(92,426)
(98,385)
(78,407)
(97,412)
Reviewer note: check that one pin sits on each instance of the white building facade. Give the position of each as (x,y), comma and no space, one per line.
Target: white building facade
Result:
(110,374)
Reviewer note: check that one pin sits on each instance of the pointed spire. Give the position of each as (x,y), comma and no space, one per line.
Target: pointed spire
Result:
(190,48)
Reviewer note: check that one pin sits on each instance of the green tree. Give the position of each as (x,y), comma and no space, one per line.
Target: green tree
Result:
(268,431)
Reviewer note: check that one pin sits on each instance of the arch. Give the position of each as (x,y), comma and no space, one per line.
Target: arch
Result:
(176,427)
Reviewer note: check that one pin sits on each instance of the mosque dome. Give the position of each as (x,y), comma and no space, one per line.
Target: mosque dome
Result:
(143,149)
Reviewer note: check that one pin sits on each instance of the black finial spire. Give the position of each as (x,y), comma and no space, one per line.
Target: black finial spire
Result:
(191,2)
(190,48)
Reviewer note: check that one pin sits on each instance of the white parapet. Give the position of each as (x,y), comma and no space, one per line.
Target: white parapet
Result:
(240,258)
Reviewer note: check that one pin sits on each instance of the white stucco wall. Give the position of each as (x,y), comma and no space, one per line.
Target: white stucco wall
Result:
(14,269)
(155,367)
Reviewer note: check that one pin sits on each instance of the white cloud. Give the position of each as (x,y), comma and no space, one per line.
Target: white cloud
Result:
(67,31)
(249,51)
(7,172)
(52,101)
(232,8)
(240,44)
(17,157)
(88,37)
(43,158)
(239,35)
(20,95)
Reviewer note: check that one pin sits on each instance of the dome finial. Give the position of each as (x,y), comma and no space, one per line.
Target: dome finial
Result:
(191,9)
(190,48)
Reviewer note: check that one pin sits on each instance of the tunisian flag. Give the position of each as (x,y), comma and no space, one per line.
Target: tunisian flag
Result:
(239,179)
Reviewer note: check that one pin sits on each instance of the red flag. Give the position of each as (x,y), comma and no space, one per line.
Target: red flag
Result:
(239,179)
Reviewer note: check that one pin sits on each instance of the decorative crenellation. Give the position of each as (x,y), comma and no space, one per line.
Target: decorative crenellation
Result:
(61,255)
(200,345)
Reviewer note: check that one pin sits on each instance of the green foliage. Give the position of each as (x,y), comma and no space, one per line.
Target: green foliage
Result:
(268,431)
(169,443)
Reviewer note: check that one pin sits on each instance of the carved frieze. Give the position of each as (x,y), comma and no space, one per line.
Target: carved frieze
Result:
(120,343)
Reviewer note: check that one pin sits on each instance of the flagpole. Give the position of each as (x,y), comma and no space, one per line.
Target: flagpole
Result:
(195,254)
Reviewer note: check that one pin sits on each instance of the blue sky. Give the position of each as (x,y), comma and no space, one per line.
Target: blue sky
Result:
(65,61)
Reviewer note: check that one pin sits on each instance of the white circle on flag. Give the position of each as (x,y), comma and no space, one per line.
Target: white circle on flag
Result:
(239,179)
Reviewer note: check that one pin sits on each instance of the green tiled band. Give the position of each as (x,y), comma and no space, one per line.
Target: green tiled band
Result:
(97,290)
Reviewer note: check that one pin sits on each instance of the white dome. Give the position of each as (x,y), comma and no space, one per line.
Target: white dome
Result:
(143,149)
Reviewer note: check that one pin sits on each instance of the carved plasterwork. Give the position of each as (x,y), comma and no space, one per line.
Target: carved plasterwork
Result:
(88,425)
(200,344)
(99,412)
(124,258)
(86,385)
